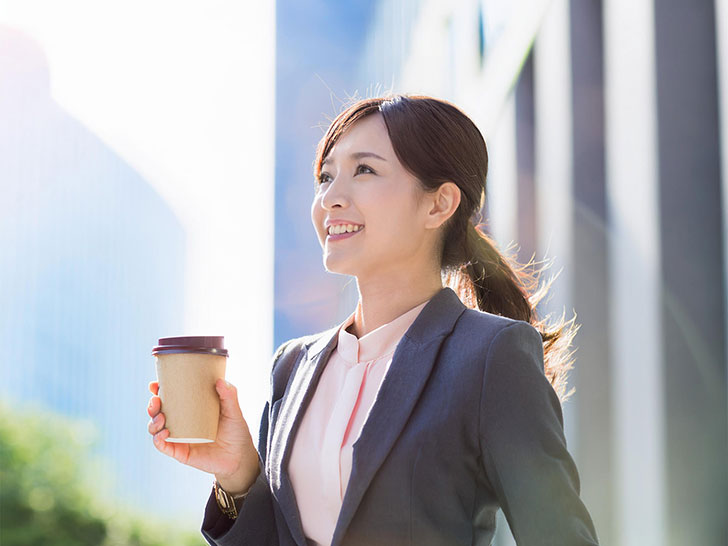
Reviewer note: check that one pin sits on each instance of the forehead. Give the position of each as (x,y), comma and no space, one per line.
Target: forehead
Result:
(366,135)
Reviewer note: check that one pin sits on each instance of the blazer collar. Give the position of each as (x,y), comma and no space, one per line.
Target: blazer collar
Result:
(411,365)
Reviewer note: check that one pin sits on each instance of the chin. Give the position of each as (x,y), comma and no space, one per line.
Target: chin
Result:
(339,270)
(339,267)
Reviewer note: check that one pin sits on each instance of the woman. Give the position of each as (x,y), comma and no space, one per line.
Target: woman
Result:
(419,416)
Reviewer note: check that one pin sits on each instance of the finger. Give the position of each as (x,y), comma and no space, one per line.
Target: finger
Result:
(154,387)
(154,406)
(156,424)
(229,406)
(180,452)
(165,447)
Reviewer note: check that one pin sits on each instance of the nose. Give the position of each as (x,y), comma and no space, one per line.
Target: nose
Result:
(334,196)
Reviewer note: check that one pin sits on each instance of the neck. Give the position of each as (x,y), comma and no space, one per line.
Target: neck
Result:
(384,299)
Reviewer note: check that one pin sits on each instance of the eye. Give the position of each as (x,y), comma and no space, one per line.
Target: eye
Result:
(362,165)
(323,176)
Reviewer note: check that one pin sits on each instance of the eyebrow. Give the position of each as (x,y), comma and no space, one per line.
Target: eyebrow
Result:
(356,155)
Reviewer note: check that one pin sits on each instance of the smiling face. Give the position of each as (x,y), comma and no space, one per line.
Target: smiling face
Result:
(379,204)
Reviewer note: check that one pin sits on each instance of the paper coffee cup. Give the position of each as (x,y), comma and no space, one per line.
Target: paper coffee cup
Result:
(187,369)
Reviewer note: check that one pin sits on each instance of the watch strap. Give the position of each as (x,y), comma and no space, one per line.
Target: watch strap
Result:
(226,501)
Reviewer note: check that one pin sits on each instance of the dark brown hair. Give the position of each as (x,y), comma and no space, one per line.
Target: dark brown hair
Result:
(437,143)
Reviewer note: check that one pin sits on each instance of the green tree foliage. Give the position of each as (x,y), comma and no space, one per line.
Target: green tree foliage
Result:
(50,491)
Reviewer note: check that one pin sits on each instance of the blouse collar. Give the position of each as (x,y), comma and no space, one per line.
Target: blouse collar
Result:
(377,343)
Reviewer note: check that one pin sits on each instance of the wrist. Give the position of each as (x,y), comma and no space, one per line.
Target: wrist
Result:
(237,484)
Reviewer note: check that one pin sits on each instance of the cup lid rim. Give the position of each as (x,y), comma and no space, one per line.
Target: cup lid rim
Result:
(168,349)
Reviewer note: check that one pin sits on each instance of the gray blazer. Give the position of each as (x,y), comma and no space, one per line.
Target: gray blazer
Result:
(465,423)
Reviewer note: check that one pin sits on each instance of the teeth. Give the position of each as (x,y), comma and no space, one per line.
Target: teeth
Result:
(343,228)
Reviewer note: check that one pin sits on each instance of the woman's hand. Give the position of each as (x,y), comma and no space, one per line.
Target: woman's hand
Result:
(232,457)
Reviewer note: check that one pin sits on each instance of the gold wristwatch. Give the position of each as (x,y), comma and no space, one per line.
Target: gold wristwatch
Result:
(226,501)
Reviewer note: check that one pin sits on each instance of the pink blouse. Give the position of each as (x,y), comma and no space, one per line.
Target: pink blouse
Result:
(321,457)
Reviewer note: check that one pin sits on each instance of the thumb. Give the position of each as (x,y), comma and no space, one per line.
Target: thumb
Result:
(229,406)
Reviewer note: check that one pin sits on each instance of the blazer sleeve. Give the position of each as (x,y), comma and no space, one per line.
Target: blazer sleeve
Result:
(523,445)
(255,524)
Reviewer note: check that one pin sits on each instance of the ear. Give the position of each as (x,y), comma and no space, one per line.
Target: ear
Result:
(442,204)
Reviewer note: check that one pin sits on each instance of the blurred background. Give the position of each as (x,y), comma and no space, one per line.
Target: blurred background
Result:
(155,180)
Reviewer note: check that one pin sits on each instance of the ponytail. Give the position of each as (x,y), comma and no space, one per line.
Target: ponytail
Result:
(487,280)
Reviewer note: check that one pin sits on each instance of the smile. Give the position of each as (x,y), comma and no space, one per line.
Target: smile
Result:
(338,234)
(344,228)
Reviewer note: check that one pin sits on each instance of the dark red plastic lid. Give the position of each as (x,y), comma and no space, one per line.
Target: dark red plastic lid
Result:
(209,345)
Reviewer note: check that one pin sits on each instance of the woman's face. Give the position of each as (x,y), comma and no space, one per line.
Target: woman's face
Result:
(375,201)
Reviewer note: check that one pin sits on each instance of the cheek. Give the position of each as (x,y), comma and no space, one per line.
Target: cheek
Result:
(395,230)
(400,215)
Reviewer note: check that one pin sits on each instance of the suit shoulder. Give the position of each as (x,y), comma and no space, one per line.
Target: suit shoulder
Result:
(295,345)
(474,318)
(487,325)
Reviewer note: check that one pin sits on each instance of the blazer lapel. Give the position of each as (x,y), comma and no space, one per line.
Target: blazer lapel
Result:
(293,405)
(411,365)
